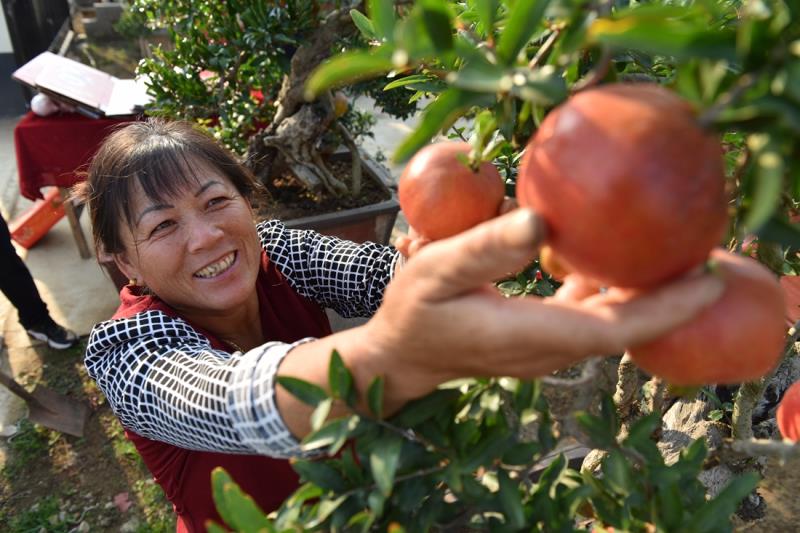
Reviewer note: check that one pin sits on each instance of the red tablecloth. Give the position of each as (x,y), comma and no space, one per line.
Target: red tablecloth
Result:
(51,149)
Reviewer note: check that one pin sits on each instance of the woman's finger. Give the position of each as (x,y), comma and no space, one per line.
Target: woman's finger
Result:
(640,318)
(472,259)
(575,288)
(507,205)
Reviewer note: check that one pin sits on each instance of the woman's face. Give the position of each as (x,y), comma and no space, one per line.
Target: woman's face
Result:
(197,251)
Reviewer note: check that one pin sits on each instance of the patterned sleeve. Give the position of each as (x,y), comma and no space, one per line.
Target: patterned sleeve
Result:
(347,277)
(165,382)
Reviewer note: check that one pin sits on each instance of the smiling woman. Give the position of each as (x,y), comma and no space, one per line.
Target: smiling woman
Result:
(219,306)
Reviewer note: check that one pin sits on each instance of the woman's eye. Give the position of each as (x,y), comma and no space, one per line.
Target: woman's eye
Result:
(160,227)
(217,201)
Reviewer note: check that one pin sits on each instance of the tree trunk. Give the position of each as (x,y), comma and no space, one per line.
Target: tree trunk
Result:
(294,138)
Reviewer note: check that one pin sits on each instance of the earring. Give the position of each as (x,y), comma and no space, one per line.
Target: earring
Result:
(133,282)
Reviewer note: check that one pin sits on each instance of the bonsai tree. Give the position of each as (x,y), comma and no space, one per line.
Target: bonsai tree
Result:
(239,68)
(494,454)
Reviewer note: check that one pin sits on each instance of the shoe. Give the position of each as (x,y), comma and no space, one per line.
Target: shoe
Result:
(54,335)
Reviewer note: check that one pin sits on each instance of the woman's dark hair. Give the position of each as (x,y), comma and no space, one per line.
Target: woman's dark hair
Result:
(158,155)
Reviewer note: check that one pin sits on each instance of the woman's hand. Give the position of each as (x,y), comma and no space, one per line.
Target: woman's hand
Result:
(442,319)
(413,242)
(410,243)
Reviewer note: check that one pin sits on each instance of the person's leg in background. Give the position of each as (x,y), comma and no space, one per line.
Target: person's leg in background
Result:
(17,284)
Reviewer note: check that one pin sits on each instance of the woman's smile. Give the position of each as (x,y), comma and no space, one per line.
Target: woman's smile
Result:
(217,268)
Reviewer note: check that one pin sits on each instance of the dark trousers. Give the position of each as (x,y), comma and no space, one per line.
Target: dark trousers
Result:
(17,284)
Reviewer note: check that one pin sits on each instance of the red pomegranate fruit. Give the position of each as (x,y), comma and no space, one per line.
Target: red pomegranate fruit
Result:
(738,338)
(441,196)
(632,188)
(788,413)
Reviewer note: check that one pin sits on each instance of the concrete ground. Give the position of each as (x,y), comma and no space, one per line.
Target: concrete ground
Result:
(77,291)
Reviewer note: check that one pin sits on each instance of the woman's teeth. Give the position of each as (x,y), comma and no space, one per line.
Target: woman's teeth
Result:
(217,268)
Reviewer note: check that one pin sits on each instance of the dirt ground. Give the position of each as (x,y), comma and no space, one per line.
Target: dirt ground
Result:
(780,489)
(60,483)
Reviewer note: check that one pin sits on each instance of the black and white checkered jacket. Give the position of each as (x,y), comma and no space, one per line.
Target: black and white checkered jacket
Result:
(165,382)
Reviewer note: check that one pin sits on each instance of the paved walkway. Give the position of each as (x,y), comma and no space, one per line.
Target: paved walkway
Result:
(77,291)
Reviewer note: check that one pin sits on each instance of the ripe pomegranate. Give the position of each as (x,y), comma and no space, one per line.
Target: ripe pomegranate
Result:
(788,413)
(738,338)
(441,196)
(631,187)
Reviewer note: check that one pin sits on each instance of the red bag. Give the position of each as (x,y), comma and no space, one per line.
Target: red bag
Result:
(35,222)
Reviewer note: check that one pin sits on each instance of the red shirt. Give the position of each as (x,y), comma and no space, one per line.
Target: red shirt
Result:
(185,475)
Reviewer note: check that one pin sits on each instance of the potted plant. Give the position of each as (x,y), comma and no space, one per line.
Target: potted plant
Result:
(239,70)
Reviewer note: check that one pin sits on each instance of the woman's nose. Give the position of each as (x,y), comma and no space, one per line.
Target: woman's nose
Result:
(203,234)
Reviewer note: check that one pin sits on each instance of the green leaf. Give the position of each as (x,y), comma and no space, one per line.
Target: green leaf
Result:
(780,231)
(768,185)
(616,472)
(719,510)
(438,23)
(439,115)
(307,491)
(408,80)
(670,505)
(324,510)
(375,397)
(304,391)
(523,22)
(321,413)
(487,10)
(552,472)
(220,478)
(376,501)
(596,430)
(320,474)
(487,448)
(418,411)
(522,453)
(238,509)
(544,86)
(364,25)
(212,527)
(510,500)
(482,77)
(347,68)
(383,461)
(645,31)
(642,429)
(332,434)
(340,380)
(692,457)
(382,14)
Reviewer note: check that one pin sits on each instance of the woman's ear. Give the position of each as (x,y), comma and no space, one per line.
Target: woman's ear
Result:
(127,268)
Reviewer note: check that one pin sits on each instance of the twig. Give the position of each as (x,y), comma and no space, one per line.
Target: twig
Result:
(742,85)
(658,388)
(748,396)
(355,158)
(625,393)
(783,450)
(460,135)
(331,182)
(583,390)
(597,74)
(545,48)
(397,479)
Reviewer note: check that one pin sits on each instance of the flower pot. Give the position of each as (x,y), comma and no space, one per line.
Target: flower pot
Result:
(360,224)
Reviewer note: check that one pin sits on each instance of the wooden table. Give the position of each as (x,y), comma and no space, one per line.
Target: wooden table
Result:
(56,151)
